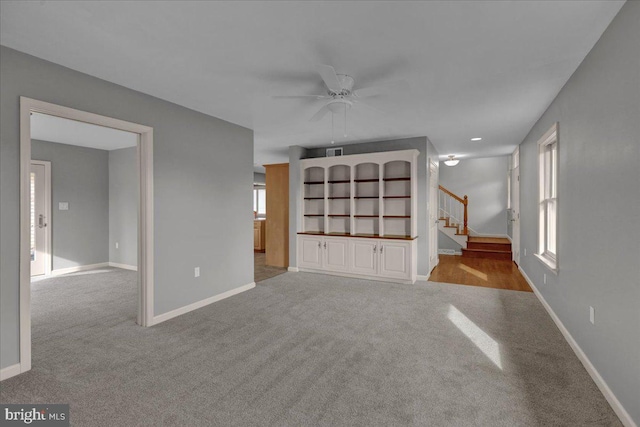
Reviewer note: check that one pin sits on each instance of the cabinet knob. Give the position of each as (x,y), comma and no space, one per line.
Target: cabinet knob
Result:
(381,247)
(325,245)
(319,245)
(375,248)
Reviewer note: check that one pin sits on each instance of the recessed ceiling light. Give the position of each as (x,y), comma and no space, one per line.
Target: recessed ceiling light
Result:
(476,139)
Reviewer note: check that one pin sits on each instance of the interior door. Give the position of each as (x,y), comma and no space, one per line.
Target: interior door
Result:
(515,208)
(433,215)
(39,218)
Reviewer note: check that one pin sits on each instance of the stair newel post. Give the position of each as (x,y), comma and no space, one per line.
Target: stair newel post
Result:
(466,202)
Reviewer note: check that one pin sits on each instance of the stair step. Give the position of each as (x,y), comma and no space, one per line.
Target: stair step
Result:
(489,239)
(485,253)
(502,247)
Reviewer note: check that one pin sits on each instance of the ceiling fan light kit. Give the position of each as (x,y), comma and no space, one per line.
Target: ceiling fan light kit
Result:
(451,161)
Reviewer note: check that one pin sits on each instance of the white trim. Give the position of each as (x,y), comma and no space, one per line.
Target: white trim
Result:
(48,208)
(624,416)
(358,276)
(551,266)
(449,252)
(145,229)
(423,278)
(123,266)
(10,371)
(293,269)
(77,268)
(196,305)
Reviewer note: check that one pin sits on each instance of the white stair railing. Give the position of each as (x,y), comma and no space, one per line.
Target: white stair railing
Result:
(453,209)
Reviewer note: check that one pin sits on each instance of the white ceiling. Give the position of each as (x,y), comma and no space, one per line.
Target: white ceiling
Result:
(475,68)
(65,131)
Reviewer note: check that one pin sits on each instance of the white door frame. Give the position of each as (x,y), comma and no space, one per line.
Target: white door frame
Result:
(515,205)
(433,214)
(145,211)
(47,214)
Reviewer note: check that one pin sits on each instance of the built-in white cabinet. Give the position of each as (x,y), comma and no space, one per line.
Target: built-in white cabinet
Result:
(310,252)
(395,259)
(384,259)
(364,256)
(336,254)
(359,215)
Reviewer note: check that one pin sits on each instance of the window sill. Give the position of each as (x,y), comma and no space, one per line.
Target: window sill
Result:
(551,265)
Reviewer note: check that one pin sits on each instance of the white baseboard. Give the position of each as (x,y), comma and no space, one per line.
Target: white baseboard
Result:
(449,252)
(123,266)
(78,268)
(293,269)
(421,277)
(9,371)
(196,305)
(624,416)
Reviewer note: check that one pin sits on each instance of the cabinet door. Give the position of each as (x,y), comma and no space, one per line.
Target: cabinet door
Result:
(395,259)
(256,237)
(364,256)
(336,254)
(310,252)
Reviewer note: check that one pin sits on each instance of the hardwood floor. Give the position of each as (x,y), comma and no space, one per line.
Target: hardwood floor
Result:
(488,273)
(262,271)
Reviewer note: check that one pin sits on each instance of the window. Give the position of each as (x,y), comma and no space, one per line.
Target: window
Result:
(260,202)
(548,198)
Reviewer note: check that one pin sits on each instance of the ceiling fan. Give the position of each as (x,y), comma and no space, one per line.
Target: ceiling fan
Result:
(340,94)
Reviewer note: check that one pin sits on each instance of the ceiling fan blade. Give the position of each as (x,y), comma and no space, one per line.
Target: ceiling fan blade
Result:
(328,74)
(320,114)
(299,96)
(384,89)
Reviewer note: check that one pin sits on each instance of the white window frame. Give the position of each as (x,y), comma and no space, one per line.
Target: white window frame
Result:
(256,201)
(548,198)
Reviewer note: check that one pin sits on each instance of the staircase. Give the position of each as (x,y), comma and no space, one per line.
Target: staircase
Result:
(487,247)
(454,223)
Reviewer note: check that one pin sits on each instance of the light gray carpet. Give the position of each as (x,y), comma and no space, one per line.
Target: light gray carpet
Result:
(304,349)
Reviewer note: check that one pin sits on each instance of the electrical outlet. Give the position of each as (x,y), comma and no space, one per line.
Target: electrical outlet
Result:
(117,245)
(544,278)
(196,272)
(592,315)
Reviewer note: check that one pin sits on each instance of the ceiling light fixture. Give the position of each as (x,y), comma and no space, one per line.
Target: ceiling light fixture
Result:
(476,139)
(452,161)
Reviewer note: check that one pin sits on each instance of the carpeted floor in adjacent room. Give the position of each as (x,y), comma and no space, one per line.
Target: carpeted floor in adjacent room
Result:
(305,349)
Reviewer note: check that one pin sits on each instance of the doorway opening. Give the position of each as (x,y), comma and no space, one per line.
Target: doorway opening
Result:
(40,213)
(37,235)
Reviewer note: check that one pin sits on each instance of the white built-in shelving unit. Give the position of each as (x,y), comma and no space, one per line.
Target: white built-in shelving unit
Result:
(348,199)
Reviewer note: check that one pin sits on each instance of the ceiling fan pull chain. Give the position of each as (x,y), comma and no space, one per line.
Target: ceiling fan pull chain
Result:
(345,120)
(333,140)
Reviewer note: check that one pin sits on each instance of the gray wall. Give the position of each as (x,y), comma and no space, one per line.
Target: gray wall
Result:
(598,112)
(484,180)
(421,144)
(202,186)
(446,242)
(295,200)
(80,176)
(259,178)
(123,206)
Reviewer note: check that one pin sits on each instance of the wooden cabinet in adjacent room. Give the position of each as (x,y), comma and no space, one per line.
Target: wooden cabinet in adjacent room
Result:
(277,222)
(259,235)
